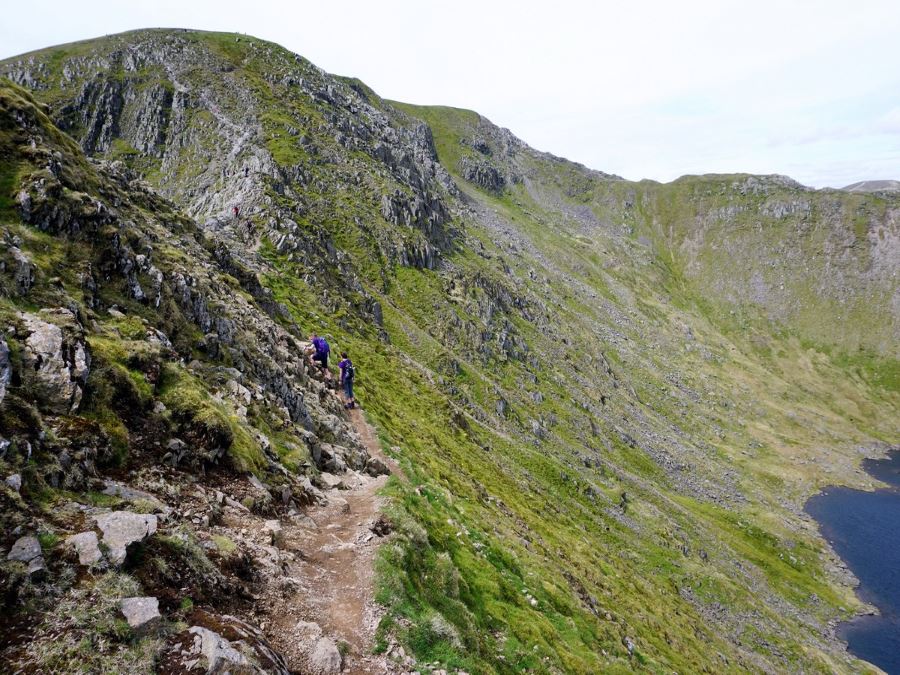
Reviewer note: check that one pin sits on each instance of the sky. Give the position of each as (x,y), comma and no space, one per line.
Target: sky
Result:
(642,89)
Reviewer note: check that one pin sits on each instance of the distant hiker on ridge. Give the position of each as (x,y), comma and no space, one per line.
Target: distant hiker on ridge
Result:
(235,210)
(347,374)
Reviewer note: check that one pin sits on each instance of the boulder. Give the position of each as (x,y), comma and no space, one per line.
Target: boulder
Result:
(55,363)
(28,550)
(141,613)
(275,531)
(375,466)
(233,647)
(330,480)
(14,482)
(324,658)
(121,529)
(25,549)
(23,271)
(177,449)
(221,656)
(87,547)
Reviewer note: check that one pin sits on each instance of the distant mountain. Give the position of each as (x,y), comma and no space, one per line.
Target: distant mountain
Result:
(874,186)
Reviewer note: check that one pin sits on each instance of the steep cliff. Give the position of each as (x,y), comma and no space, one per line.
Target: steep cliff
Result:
(609,399)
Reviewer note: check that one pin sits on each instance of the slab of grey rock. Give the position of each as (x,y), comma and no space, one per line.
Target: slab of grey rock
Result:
(25,549)
(325,659)
(14,482)
(330,480)
(123,528)
(141,613)
(28,550)
(55,367)
(275,532)
(36,566)
(128,493)
(5,368)
(88,548)
(221,657)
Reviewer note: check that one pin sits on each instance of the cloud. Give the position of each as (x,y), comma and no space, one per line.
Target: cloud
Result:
(652,89)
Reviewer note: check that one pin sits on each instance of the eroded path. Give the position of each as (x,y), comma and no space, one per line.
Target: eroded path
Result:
(328,588)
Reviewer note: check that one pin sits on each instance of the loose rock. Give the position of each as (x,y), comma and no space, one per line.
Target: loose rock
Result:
(141,613)
(87,547)
(14,482)
(28,551)
(325,659)
(121,529)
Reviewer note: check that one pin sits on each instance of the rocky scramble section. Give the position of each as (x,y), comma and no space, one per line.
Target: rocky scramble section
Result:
(196,513)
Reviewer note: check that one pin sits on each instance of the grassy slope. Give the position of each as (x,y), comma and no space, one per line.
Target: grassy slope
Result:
(755,377)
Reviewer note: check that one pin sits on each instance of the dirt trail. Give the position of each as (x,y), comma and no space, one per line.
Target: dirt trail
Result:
(332,578)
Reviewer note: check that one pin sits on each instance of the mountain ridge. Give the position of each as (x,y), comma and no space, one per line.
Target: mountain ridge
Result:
(608,436)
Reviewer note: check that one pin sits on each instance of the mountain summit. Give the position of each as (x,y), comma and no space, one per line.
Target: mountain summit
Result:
(874,186)
(604,403)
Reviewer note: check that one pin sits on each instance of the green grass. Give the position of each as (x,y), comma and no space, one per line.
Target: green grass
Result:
(86,633)
(206,422)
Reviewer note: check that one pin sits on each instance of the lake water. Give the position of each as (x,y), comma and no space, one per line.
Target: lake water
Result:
(864,529)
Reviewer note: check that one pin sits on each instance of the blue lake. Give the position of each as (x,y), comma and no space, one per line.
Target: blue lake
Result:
(864,529)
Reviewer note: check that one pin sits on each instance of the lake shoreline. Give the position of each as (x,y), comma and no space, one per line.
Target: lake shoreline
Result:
(863,528)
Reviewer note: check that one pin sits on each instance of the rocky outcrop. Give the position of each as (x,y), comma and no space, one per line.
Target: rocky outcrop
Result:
(55,360)
(425,211)
(21,269)
(482,174)
(224,644)
(5,368)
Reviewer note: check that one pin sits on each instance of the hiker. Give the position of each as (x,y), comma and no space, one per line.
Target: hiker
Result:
(347,374)
(235,211)
(322,350)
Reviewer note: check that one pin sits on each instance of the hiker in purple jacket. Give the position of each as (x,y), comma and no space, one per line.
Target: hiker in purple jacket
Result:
(322,350)
(347,374)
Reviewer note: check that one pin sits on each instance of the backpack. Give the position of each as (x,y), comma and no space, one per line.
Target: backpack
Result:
(349,371)
(322,346)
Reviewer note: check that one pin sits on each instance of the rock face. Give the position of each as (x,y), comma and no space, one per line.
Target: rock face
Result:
(142,614)
(5,368)
(482,174)
(55,361)
(121,529)
(23,271)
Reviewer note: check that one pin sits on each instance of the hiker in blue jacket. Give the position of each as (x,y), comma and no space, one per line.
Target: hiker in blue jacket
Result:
(347,374)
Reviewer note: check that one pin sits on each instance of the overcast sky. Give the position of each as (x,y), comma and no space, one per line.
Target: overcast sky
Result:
(641,89)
